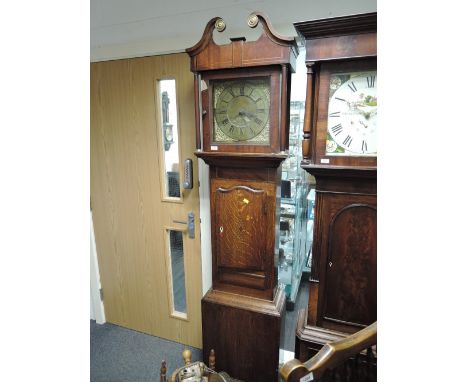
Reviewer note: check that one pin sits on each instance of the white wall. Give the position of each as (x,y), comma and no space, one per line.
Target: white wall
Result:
(205,226)
(97,307)
(121,29)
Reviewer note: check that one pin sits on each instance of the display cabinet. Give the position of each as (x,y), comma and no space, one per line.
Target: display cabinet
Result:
(296,216)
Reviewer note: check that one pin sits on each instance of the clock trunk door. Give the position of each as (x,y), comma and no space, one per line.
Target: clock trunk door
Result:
(243,221)
(240,217)
(348,280)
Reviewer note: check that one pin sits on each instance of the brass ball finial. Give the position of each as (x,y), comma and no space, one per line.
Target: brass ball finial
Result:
(220,25)
(252,21)
(187,356)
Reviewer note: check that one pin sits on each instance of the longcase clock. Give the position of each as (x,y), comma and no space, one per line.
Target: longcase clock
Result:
(340,150)
(242,93)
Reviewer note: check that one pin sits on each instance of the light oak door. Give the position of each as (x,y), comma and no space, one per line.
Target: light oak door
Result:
(142,131)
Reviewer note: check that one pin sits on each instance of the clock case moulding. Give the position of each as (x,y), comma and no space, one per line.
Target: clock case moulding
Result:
(243,312)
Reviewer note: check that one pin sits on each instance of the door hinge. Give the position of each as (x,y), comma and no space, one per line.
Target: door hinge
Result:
(101,294)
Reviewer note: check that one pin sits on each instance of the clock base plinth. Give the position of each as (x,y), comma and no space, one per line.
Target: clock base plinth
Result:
(245,334)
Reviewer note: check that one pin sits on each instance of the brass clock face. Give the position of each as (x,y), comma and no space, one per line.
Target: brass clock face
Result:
(352,114)
(242,111)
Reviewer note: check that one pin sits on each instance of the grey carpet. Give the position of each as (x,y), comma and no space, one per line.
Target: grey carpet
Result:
(124,355)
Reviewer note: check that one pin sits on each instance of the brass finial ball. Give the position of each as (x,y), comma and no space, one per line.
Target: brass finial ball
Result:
(187,356)
(220,25)
(252,21)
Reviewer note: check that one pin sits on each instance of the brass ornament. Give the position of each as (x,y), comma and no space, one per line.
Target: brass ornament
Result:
(252,21)
(187,356)
(220,25)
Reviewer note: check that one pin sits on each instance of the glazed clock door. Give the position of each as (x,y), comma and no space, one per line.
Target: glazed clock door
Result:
(239,112)
(347,120)
(141,134)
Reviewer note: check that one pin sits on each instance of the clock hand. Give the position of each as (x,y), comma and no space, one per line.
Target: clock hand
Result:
(248,114)
(366,114)
(370,113)
(363,124)
(244,114)
(241,115)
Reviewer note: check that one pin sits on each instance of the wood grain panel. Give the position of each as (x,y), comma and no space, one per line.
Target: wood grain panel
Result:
(128,212)
(351,283)
(252,355)
(346,260)
(340,47)
(240,216)
(243,251)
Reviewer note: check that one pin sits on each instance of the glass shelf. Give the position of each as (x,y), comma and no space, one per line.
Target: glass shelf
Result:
(296,214)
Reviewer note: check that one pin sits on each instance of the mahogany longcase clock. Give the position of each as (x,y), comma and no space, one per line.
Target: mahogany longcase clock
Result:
(242,93)
(340,150)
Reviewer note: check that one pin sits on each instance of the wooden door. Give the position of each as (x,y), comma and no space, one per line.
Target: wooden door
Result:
(141,239)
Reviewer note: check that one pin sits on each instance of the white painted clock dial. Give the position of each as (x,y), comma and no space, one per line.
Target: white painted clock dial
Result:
(352,114)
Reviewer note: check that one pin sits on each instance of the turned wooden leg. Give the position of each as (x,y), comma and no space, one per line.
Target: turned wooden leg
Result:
(212,360)
(162,372)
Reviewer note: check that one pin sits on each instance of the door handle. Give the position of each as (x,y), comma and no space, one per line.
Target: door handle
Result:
(190,223)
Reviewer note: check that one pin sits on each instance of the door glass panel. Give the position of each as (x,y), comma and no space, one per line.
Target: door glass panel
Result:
(177,273)
(170,138)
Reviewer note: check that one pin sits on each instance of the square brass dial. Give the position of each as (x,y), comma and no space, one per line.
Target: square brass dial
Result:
(241,111)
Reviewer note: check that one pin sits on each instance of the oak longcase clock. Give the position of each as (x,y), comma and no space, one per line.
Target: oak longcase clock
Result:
(242,93)
(340,150)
